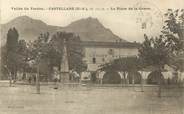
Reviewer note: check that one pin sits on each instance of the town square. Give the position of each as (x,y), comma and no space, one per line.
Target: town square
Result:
(123,57)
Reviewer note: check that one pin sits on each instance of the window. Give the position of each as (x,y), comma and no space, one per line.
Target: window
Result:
(111,52)
(103,59)
(94,60)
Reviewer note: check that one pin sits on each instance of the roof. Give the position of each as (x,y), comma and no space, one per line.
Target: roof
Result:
(110,44)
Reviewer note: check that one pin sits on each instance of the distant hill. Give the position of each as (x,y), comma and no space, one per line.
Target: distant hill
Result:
(89,29)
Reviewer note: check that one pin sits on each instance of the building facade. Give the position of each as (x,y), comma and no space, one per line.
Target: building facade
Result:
(98,53)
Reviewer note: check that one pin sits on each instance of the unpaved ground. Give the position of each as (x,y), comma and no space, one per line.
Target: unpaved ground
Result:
(22,99)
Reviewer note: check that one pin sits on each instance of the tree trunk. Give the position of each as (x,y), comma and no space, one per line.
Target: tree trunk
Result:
(38,81)
(10,79)
(159,89)
(142,87)
(124,75)
(133,81)
(121,82)
(180,77)
(15,76)
(127,80)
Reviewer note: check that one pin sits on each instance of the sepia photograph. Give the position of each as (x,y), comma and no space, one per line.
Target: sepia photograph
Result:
(91,57)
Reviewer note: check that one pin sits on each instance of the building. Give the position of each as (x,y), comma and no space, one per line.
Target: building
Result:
(98,53)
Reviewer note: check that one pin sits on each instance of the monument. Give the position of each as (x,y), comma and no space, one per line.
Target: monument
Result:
(64,65)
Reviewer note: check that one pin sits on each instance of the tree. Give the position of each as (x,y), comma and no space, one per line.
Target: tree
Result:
(39,51)
(155,52)
(11,47)
(173,31)
(23,56)
(74,49)
(75,54)
(15,54)
(125,65)
(5,74)
(164,49)
(50,51)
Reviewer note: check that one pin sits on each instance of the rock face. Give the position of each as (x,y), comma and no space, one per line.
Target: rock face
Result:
(89,29)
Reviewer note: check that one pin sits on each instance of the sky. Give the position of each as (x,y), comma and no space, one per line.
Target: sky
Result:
(127,23)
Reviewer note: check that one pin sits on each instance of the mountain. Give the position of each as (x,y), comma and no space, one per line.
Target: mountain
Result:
(28,28)
(89,29)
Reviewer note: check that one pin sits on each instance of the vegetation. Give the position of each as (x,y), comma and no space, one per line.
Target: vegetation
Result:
(125,65)
(164,49)
(11,53)
(45,52)
(174,35)
(158,51)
